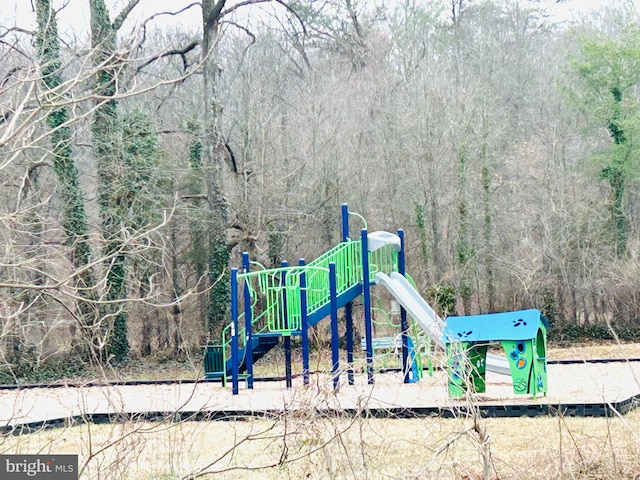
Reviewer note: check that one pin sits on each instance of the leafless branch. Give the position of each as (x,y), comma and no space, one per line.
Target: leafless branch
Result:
(244,29)
(7,31)
(176,51)
(178,12)
(120,19)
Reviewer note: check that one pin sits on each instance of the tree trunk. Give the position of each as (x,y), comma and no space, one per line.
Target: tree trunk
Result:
(74,219)
(212,163)
(464,250)
(488,218)
(110,164)
(616,175)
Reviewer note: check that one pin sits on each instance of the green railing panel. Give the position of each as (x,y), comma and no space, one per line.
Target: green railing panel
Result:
(273,301)
(383,260)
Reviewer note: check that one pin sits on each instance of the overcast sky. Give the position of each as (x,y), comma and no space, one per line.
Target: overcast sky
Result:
(74,18)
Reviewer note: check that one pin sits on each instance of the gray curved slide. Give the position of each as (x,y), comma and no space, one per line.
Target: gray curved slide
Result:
(423,314)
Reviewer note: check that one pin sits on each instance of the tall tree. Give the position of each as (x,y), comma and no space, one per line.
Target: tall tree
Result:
(607,74)
(214,154)
(110,164)
(74,218)
(212,163)
(464,248)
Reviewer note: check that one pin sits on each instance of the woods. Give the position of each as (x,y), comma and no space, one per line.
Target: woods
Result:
(139,160)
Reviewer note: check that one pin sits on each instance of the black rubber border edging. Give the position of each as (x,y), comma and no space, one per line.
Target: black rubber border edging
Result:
(601,409)
(27,386)
(486,411)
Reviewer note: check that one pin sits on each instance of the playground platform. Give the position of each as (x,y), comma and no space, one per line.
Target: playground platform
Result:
(584,389)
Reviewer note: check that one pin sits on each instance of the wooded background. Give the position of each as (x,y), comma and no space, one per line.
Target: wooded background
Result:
(137,164)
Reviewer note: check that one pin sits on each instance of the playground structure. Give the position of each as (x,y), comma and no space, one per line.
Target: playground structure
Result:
(284,302)
(523,336)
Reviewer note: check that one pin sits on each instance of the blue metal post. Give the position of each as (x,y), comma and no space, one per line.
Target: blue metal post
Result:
(333,295)
(366,293)
(348,313)
(345,222)
(404,325)
(234,332)
(248,345)
(285,321)
(348,309)
(304,324)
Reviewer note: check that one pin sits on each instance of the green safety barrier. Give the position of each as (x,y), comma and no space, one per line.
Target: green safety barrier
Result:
(275,293)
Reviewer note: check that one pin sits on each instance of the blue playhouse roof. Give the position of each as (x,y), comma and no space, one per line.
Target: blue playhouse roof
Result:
(519,325)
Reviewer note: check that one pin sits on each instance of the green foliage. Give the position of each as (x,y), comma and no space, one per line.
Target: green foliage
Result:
(194,185)
(606,72)
(48,44)
(464,252)
(143,187)
(275,246)
(444,296)
(117,340)
(131,191)
(568,332)
(466,289)
(74,218)
(606,75)
(107,143)
(219,296)
(422,234)
(419,209)
(143,183)
(195,146)
(549,307)
(74,221)
(28,370)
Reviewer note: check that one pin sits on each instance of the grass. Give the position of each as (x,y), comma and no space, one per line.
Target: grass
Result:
(307,444)
(314,447)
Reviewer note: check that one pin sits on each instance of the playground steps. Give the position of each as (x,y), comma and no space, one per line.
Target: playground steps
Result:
(262,343)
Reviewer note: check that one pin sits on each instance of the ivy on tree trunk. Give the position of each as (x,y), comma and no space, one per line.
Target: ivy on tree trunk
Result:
(608,74)
(106,139)
(212,163)
(74,218)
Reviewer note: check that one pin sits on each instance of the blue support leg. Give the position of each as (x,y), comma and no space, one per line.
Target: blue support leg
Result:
(404,324)
(287,338)
(335,353)
(304,325)
(234,332)
(349,307)
(348,312)
(248,345)
(366,294)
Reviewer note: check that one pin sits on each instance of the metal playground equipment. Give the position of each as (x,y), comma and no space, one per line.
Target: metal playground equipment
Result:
(279,303)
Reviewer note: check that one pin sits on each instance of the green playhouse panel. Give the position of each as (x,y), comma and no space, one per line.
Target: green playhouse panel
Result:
(523,336)
(466,364)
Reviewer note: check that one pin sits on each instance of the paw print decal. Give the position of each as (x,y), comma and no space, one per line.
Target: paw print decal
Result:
(462,335)
(519,322)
